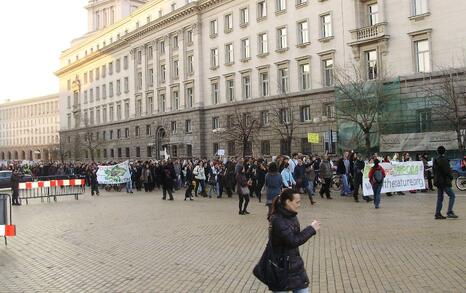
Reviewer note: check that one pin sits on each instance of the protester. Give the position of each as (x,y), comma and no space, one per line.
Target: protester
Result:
(243,191)
(376,178)
(442,180)
(273,184)
(326,175)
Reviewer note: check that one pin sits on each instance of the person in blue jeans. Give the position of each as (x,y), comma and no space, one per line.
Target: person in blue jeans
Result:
(376,177)
(442,179)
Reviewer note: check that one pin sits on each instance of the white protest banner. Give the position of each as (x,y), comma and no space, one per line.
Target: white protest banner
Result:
(220,152)
(398,177)
(115,174)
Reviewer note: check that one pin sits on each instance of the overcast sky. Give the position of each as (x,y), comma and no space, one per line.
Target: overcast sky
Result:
(33,34)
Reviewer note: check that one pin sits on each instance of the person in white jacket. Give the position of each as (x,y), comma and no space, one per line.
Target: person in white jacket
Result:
(199,176)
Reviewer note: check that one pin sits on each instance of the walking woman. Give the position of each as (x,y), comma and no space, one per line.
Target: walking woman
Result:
(273,184)
(243,191)
(326,175)
(261,172)
(286,237)
(376,177)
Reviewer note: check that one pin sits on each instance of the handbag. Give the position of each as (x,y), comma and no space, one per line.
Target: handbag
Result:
(271,270)
(244,189)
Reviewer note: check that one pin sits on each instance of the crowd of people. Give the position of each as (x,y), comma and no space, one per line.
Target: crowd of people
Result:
(248,177)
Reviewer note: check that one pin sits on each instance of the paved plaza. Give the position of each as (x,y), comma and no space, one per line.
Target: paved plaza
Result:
(139,243)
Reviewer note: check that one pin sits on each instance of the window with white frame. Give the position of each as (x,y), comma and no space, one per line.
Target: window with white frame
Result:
(176,99)
(215,92)
(304,76)
(176,69)
(305,113)
(373,13)
(214,58)
(118,110)
(104,91)
(110,68)
(162,102)
(246,86)
(189,97)
(303,32)
(150,77)
(282,38)
(85,99)
(261,9)
(265,121)
(283,82)
(245,49)
(280,5)
(230,89)
(162,73)
(326,26)
(285,116)
(173,127)
(228,22)
(329,110)
(110,89)
(162,47)
(190,64)
(150,104)
(420,7)
(422,52)
(213,28)
(126,85)
(104,115)
(215,122)
(139,81)
(229,53)
(118,65)
(175,42)
(127,109)
(118,87)
(91,95)
(371,64)
(97,93)
(189,36)
(263,43)
(104,70)
(264,83)
(188,126)
(327,71)
(244,16)
(111,113)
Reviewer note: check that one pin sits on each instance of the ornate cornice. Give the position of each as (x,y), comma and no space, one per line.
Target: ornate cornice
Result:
(173,17)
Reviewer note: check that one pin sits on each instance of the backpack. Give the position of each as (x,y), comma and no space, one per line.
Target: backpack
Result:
(378,176)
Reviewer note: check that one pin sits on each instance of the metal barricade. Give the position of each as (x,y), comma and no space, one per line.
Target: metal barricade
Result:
(7,229)
(51,187)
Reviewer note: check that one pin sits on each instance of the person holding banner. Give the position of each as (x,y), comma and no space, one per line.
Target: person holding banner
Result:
(442,179)
(376,177)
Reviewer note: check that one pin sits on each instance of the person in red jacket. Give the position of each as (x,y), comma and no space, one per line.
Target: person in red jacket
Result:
(376,177)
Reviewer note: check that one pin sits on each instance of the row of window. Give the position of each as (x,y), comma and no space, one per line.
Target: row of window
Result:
(118,152)
(286,116)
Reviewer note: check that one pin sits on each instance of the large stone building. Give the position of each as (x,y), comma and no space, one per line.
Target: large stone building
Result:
(29,129)
(190,76)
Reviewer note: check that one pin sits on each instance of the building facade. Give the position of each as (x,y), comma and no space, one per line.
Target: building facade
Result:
(184,76)
(29,129)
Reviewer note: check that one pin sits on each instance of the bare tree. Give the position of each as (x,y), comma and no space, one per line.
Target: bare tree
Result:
(360,100)
(284,121)
(447,98)
(62,150)
(242,127)
(88,140)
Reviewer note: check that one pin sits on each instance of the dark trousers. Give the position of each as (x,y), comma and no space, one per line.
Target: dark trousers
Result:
(357,184)
(94,188)
(258,190)
(15,195)
(451,201)
(189,191)
(146,187)
(325,189)
(243,198)
(166,189)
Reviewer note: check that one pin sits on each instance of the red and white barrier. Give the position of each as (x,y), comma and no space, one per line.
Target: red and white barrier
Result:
(51,183)
(7,230)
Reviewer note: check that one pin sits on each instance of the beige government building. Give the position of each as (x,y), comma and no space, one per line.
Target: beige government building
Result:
(173,75)
(29,129)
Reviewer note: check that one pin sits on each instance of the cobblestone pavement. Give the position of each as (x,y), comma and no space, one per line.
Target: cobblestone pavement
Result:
(139,243)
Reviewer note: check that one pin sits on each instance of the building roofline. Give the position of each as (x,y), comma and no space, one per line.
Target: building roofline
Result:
(29,100)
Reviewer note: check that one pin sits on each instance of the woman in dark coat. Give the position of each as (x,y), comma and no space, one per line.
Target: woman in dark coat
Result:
(273,185)
(286,238)
(243,191)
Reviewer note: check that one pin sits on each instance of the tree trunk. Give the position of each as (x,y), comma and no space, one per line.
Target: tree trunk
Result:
(367,138)
(459,137)
(245,148)
(289,142)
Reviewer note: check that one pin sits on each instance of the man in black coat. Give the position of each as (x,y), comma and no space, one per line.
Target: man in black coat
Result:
(442,179)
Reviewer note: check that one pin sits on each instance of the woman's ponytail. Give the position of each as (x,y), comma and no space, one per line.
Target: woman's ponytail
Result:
(287,193)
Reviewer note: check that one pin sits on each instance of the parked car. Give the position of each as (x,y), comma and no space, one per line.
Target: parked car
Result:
(5,178)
